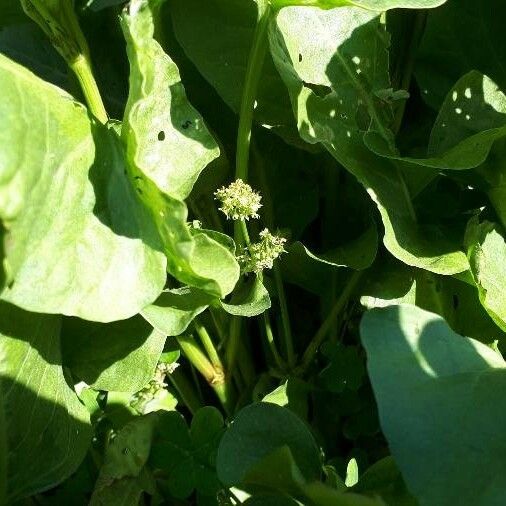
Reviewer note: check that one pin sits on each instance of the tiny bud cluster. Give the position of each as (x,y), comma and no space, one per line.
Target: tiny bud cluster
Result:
(154,389)
(239,201)
(261,255)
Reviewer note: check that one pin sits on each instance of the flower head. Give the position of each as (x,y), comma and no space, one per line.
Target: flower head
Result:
(239,201)
(261,255)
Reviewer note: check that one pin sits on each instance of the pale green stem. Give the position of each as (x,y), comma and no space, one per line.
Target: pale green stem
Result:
(252,78)
(208,344)
(82,69)
(213,375)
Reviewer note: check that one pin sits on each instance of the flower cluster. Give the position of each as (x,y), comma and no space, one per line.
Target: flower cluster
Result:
(154,390)
(239,201)
(261,255)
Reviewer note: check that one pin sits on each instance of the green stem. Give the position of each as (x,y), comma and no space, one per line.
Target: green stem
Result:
(185,390)
(409,64)
(208,344)
(82,69)
(213,375)
(270,342)
(285,317)
(252,78)
(318,338)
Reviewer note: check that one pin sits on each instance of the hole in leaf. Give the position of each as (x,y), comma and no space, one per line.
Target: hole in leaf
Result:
(300,57)
(161,135)
(186,124)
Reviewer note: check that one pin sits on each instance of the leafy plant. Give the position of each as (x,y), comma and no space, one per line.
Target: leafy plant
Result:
(241,243)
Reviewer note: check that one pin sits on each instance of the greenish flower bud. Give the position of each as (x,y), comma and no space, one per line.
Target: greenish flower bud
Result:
(261,255)
(239,201)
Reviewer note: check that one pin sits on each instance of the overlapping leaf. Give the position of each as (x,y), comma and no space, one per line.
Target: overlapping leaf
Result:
(451,399)
(335,63)
(47,429)
(77,241)
(167,147)
(120,356)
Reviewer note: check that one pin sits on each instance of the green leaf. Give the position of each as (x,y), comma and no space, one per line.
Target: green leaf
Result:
(250,298)
(167,137)
(373,5)
(471,119)
(175,309)
(119,356)
(187,456)
(487,257)
(449,397)
(118,482)
(332,72)
(259,429)
(48,430)
(54,157)
(194,258)
(471,34)
(227,28)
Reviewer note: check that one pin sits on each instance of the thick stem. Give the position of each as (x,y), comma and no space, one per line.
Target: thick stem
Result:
(214,376)
(252,78)
(208,344)
(82,69)
(318,338)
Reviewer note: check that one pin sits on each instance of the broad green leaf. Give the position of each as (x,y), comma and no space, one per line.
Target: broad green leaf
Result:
(250,298)
(217,35)
(276,471)
(487,257)
(167,137)
(175,309)
(471,119)
(358,254)
(78,242)
(373,5)
(194,258)
(258,430)
(118,483)
(48,429)
(450,398)
(469,35)
(4,457)
(334,63)
(187,455)
(119,356)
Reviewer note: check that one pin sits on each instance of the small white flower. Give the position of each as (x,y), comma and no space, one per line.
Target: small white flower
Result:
(239,201)
(261,255)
